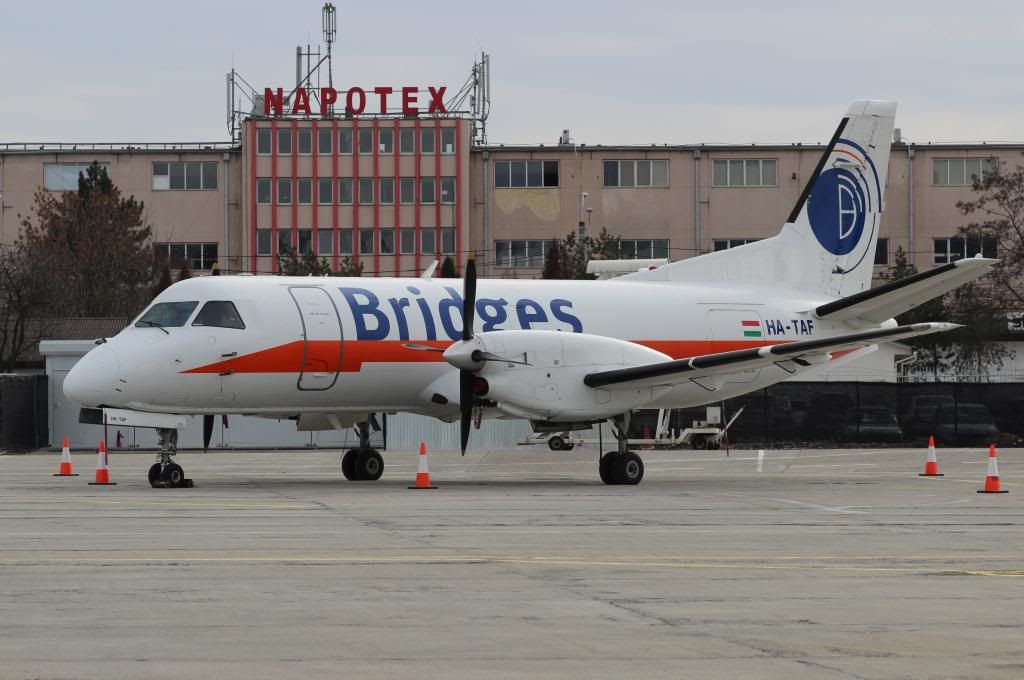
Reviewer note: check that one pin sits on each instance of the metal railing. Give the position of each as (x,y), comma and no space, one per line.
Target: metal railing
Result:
(35,147)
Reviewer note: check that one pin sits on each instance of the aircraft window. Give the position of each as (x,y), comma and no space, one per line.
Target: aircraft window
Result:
(167,315)
(218,313)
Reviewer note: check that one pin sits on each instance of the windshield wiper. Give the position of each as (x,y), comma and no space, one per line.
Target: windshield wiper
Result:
(154,324)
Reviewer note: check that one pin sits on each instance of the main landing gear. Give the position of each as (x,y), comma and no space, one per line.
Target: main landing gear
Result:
(166,474)
(621,466)
(363,464)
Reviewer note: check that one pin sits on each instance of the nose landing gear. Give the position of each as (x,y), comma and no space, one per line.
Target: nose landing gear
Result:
(621,466)
(166,474)
(363,464)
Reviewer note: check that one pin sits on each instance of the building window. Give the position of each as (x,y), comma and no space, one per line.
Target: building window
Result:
(387,190)
(365,191)
(961,172)
(387,241)
(726,243)
(305,241)
(427,190)
(366,141)
(407,190)
(345,190)
(263,191)
(325,191)
(521,253)
(284,142)
(366,241)
(448,141)
(386,140)
(184,176)
(263,237)
(323,141)
(324,242)
(345,242)
(407,241)
(447,189)
(407,141)
(744,173)
(263,141)
(636,173)
(200,256)
(345,141)
(426,140)
(427,239)
(284,240)
(521,174)
(957,248)
(305,141)
(284,191)
(64,176)
(305,191)
(448,241)
(882,252)
(644,249)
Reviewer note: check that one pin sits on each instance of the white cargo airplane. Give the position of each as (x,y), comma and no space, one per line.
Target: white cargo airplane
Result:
(332,352)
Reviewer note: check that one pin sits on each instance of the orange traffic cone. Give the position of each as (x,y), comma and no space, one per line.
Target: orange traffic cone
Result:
(992,478)
(647,435)
(102,474)
(931,466)
(422,474)
(65,462)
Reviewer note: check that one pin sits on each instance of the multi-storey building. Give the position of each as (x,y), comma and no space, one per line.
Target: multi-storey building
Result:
(395,193)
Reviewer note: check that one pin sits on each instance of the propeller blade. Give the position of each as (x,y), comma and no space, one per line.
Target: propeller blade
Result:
(207,431)
(466,379)
(480,355)
(468,301)
(422,348)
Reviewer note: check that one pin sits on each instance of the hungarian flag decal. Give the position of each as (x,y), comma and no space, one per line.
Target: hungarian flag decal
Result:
(751,329)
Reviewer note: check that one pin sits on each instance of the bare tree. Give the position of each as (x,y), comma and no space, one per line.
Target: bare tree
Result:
(94,245)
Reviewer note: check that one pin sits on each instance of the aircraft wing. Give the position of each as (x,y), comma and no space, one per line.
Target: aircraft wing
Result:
(791,356)
(895,297)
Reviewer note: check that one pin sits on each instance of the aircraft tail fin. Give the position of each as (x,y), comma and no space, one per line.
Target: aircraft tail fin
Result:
(828,243)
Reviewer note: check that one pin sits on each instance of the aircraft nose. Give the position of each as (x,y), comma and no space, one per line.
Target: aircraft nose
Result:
(92,379)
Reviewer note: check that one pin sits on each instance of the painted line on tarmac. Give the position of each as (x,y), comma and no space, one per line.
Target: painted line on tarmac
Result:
(313,560)
(992,572)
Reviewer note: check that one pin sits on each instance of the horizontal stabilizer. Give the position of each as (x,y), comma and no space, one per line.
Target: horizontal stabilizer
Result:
(791,356)
(896,297)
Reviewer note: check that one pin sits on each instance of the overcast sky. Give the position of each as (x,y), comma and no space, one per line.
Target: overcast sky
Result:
(642,71)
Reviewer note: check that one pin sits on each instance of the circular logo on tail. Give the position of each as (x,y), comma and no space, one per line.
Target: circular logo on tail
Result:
(836,208)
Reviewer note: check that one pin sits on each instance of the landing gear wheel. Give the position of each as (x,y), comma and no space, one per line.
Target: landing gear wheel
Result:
(604,468)
(628,469)
(173,476)
(569,446)
(348,465)
(699,443)
(556,443)
(714,444)
(369,466)
(154,475)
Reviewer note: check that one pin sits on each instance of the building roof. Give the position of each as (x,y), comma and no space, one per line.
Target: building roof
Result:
(73,328)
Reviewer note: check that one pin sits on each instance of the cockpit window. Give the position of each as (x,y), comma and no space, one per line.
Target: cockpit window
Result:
(167,314)
(219,313)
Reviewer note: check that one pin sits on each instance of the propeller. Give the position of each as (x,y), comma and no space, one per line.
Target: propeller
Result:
(207,431)
(466,376)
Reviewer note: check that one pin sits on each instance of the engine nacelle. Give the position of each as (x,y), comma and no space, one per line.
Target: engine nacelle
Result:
(549,385)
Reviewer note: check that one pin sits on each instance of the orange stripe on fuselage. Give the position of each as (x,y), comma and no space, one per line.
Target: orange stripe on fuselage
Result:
(322,355)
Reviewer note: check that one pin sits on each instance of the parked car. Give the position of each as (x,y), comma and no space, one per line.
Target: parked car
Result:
(969,424)
(874,424)
(828,414)
(918,419)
